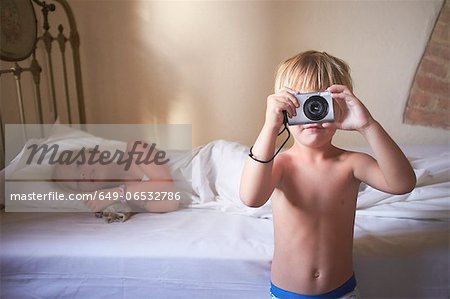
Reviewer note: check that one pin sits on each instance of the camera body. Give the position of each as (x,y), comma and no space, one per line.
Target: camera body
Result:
(314,107)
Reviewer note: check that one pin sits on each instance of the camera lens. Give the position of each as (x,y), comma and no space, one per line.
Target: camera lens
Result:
(315,108)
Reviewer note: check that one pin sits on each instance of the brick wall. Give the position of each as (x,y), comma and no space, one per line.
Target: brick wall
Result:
(429,97)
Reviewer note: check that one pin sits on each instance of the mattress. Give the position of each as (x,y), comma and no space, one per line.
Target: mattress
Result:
(200,253)
(402,258)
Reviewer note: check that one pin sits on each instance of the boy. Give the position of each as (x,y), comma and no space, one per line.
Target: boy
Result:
(314,185)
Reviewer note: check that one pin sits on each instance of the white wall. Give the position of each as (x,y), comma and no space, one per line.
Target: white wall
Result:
(211,63)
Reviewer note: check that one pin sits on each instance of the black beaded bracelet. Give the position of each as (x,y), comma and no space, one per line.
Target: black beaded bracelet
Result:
(273,157)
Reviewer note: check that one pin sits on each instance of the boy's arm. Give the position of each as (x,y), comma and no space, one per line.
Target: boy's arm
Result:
(390,171)
(258,179)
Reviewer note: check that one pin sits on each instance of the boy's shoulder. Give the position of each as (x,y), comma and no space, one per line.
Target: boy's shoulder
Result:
(352,154)
(355,159)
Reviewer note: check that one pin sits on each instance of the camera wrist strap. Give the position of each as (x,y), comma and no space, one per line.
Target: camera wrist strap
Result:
(279,149)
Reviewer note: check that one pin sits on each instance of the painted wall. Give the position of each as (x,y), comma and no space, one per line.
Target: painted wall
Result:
(212,64)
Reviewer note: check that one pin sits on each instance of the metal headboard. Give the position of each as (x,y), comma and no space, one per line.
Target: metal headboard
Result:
(69,68)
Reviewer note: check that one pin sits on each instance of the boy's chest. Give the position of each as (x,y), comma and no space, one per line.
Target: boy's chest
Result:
(326,186)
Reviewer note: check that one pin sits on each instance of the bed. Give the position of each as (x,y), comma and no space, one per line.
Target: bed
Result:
(212,247)
(200,254)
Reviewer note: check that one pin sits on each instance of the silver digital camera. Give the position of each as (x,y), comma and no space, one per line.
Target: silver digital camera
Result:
(313,107)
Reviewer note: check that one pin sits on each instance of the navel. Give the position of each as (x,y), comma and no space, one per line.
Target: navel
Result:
(316,275)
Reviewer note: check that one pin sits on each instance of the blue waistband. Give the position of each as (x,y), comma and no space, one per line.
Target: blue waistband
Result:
(345,288)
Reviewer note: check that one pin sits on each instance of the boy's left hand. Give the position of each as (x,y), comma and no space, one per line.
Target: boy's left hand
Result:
(349,112)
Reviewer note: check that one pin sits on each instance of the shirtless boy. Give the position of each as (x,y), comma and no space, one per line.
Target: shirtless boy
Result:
(314,185)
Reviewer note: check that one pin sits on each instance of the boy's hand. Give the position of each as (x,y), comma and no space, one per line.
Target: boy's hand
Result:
(284,100)
(349,113)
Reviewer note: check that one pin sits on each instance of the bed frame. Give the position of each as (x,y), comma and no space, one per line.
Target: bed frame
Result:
(204,252)
(52,67)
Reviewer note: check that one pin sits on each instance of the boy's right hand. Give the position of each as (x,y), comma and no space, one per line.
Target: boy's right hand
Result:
(283,100)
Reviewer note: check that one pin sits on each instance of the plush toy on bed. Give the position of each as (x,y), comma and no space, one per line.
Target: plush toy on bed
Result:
(116,212)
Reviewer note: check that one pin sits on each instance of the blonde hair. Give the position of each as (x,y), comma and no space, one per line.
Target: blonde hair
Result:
(312,71)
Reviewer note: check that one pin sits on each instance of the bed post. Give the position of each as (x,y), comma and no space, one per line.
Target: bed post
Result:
(74,39)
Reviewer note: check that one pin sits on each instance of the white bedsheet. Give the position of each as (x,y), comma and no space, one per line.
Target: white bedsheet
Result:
(200,253)
(213,249)
(429,200)
(215,164)
(185,254)
(402,258)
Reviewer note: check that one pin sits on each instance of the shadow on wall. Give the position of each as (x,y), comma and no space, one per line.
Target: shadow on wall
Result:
(175,71)
(178,62)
